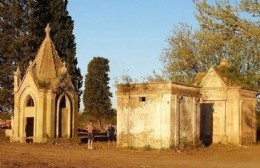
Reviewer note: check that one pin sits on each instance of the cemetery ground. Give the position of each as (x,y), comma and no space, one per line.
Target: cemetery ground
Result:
(77,155)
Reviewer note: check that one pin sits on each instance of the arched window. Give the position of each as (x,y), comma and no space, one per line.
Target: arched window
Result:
(30,102)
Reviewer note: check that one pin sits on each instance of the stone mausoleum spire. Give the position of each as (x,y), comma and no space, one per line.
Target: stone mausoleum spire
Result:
(47,66)
(45,100)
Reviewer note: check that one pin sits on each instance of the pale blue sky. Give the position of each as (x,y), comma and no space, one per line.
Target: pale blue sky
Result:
(130,33)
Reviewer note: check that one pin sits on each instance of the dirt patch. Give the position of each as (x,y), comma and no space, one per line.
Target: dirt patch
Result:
(69,155)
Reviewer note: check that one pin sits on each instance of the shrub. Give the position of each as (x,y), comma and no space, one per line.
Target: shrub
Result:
(147,148)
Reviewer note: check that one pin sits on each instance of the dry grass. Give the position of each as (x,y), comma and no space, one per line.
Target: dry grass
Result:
(77,155)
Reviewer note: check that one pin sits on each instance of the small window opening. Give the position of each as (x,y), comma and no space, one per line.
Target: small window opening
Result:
(142,99)
(30,102)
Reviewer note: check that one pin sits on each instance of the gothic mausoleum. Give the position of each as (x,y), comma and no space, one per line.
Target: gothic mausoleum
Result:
(45,100)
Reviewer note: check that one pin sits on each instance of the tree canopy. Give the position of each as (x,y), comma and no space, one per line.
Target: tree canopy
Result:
(96,95)
(227,31)
(22,26)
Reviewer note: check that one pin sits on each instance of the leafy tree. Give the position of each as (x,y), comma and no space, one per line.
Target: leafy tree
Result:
(240,36)
(5,116)
(22,26)
(224,32)
(97,96)
(180,60)
(250,6)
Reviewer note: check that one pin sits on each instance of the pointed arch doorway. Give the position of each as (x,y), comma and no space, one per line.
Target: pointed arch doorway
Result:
(29,118)
(64,117)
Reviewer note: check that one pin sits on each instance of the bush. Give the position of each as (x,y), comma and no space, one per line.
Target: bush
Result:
(131,147)
(147,148)
(5,116)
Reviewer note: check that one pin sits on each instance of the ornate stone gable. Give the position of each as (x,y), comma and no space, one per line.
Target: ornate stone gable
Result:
(212,80)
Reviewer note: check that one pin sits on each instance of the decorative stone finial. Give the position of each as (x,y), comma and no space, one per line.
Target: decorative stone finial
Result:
(224,62)
(18,71)
(47,30)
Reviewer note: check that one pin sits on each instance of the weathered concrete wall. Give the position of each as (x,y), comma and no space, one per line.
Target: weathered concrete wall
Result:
(188,134)
(155,121)
(248,116)
(144,116)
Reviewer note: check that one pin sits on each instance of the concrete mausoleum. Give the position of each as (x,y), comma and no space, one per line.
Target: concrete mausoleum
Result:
(166,114)
(157,114)
(45,100)
(228,113)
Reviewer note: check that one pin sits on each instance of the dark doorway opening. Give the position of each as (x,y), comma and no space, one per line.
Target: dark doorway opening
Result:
(29,129)
(61,116)
(258,122)
(258,134)
(206,123)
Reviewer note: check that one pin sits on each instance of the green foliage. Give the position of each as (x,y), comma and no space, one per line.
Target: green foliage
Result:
(224,33)
(230,75)
(44,84)
(199,77)
(161,150)
(11,23)
(22,26)
(112,118)
(83,119)
(126,83)
(5,116)
(125,79)
(147,148)
(62,27)
(6,101)
(155,77)
(97,96)
(250,6)
(180,59)
(64,82)
(4,139)
(131,148)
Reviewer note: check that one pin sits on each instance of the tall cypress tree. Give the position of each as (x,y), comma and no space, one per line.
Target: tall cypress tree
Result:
(12,24)
(96,96)
(62,33)
(37,19)
(22,31)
